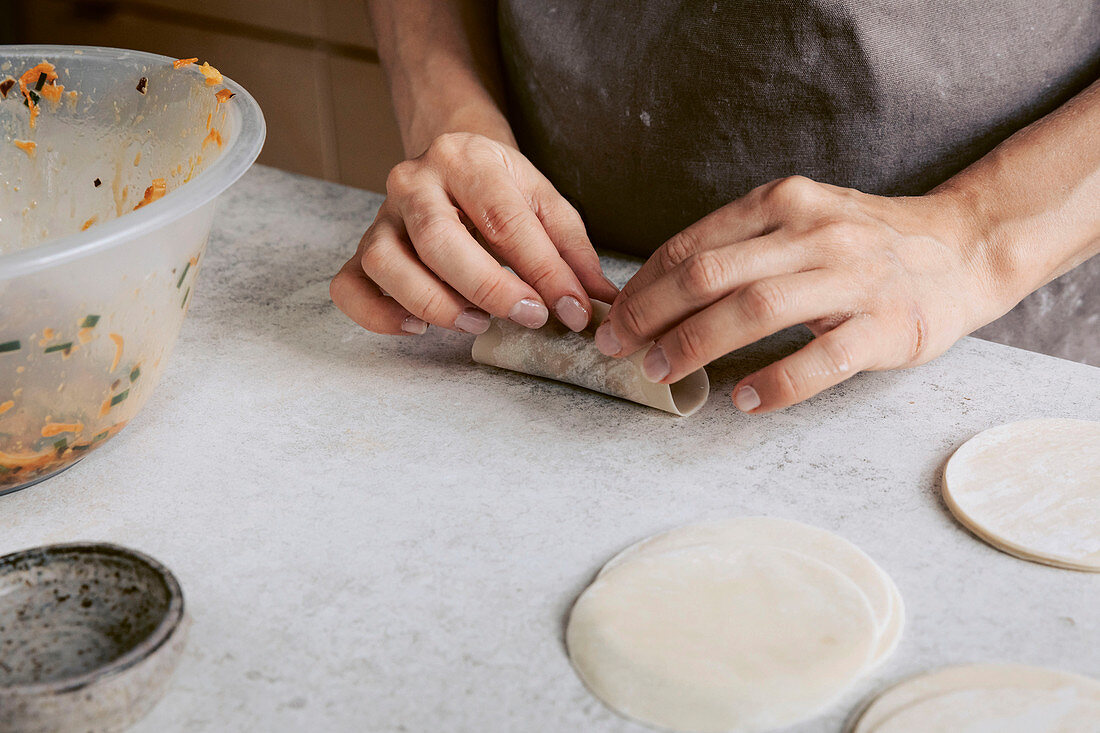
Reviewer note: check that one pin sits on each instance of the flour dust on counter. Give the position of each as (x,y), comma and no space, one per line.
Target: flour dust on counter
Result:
(744,625)
(1032,489)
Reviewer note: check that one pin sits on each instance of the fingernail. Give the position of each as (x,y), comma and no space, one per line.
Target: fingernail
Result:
(529,313)
(570,312)
(606,341)
(472,320)
(412,324)
(746,399)
(655,365)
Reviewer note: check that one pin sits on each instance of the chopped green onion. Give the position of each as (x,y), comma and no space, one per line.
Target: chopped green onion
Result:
(61,444)
(59,347)
(183,302)
(119,397)
(89,321)
(100,436)
(135,373)
(9,346)
(179,283)
(41,82)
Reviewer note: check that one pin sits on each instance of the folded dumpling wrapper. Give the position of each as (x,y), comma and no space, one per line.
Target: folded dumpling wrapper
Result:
(555,352)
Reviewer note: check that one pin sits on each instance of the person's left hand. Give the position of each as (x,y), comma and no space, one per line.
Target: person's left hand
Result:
(881,282)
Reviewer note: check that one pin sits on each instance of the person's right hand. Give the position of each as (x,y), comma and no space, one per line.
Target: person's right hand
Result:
(420,262)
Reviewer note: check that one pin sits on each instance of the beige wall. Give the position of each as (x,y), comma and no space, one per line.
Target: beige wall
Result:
(311,65)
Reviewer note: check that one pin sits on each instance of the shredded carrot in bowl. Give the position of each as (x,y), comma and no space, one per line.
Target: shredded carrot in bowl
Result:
(33,81)
(213,76)
(154,192)
(27,146)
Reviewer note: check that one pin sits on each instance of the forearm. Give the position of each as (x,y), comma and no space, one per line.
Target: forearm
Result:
(442,61)
(1034,201)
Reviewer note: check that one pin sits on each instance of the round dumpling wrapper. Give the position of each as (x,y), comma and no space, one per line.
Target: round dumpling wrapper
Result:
(700,639)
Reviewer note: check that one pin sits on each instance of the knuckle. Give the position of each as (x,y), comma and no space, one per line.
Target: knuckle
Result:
(431,235)
(567,230)
(368,261)
(567,216)
(540,274)
(336,287)
(691,342)
(793,192)
(506,227)
(837,354)
(488,291)
(580,257)
(788,384)
(431,306)
(678,249)
(763,301)
(450,147)
(401,178)
(631,319)
(371,260)
(704,273)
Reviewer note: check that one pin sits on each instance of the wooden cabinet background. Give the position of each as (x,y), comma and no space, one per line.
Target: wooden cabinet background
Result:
(311,65)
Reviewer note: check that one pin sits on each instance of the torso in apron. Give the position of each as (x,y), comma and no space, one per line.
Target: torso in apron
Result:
(649,114)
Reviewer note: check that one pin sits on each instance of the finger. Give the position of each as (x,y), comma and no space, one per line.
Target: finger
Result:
(749,314)
(826,361)
(735,222)
(447,249)
(565,226)
(639,317)
(363,302)
(589,271)
(390,262)
(517,235)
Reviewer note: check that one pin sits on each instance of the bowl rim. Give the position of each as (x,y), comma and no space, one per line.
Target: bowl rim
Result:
(144,649)
(239,154)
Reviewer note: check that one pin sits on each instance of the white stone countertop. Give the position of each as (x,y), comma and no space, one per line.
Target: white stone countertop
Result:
(375,533)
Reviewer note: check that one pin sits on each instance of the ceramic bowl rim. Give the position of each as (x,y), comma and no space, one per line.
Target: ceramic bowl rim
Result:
(147,647)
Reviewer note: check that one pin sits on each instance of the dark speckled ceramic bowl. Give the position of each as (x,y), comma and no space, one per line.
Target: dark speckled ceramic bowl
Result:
(89,636)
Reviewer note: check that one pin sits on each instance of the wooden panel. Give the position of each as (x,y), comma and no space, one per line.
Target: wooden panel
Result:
(291,84)
(367,138)
(289,16)
(346,21)
(343,22)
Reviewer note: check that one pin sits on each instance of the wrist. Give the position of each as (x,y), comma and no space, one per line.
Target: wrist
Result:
(436,118)
(985,240)
(443,96)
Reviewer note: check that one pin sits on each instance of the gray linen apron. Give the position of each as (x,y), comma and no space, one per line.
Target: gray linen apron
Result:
(649,114)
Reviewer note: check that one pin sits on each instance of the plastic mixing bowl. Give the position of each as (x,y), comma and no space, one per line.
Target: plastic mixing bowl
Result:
(108,179)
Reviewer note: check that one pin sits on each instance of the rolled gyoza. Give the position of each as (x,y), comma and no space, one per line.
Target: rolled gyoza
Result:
(555,352)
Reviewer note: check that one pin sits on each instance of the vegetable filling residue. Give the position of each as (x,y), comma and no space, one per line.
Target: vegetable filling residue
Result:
(36,83)
(41,82)
(42,432)
(93,377)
